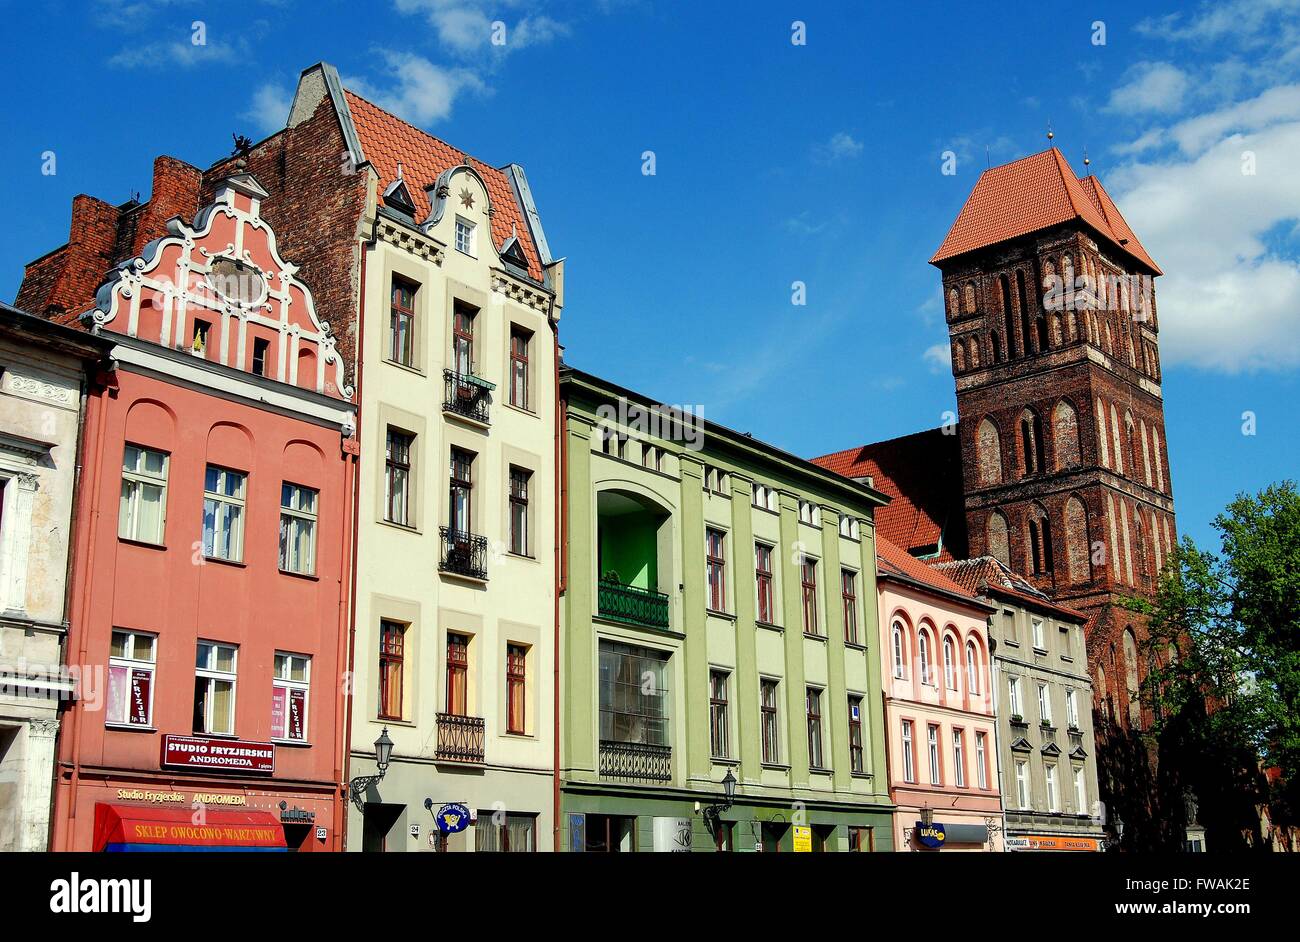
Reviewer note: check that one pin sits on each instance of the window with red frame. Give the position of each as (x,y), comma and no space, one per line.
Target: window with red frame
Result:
(716,565)
(849,592)
(392,645)
(808,574)
(458,675)
(516,677)
(763,574)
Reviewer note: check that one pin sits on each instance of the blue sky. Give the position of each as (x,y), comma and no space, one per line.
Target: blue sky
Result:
(774,163)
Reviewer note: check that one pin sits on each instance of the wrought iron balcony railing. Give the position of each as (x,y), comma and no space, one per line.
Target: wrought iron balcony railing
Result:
(632,605)
(466,395)
(460,738)
(463,554)
(635,761)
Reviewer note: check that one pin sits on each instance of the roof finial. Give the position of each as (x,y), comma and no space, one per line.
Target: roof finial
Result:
(1086,161)
(399,170)
(1050,134)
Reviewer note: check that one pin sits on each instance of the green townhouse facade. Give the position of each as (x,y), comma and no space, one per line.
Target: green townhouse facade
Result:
(718,628)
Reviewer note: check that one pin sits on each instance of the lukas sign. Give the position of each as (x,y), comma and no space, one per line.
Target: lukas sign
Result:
(930,835)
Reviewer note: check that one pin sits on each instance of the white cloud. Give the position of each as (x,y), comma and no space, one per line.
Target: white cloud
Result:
(938,358)
(1150,87)
(175,53)
(418,90)
(466,26)
(841,146)
(1245,21)
(270,107)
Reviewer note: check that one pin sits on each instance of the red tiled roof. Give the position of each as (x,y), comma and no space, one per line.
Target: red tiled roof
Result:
(976,576)
(892,560)
(387,139)
(921,473)
(1031,194)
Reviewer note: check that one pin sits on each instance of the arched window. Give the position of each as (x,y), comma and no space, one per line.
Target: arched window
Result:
(1031,441)
(1103,692)
(958,357)
(1146,461)
(1023,299)
(997,348)
(1130,441)
(996,539)
(1008,318)
(1131,677)
(1114,440)
(1077,543)
(1155,459)
(972,669)
(1040,541)
(923,649)
(952,302)
(1065,435)
(1101,434)
(968,296)
(988,451)
(973,353)
(949,664)
(900,662)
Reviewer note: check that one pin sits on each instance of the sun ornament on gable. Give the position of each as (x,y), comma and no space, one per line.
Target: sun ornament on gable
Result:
(441,190)
(220,291)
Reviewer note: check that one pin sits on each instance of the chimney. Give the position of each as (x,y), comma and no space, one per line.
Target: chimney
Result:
(175,193)
(86,258)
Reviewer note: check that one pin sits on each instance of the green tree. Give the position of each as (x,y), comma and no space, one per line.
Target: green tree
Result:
(1224,663)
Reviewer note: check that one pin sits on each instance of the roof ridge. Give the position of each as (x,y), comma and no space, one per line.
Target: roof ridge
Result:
(464,154)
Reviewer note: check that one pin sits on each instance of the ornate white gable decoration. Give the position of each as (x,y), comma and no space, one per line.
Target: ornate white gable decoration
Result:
(226,272)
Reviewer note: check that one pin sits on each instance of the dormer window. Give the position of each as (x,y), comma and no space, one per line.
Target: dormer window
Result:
(465,236)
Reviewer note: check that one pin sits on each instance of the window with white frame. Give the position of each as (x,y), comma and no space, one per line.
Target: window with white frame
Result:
(292,683)
(900,671)
(848,527)
(132,659)
(297,529)
(1013,697)
(1040,642)
(959,758)
(1044,704)
(1053,801)
(466,237)
(909,770)
(981,761)
(143,510)
(223,514)
(950,663)
(923,656)
(809,513)
(932,740)
(715,479)
(1080,791)
(972,668)
(214,688)
(1071,708)
(764,497)
(1022,784)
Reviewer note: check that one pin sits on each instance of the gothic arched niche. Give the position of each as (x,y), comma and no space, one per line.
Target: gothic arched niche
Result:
(1065,435)
(1076,541)
(988,450)
(996,540)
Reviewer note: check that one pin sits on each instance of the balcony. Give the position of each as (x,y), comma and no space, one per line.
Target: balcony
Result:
(631,605)
(467,396)
(635,761)
(460,738)
(463,554)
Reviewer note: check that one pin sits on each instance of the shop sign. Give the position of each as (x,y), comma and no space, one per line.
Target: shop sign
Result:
(930,835)
(452,818)
(218,755)
(296,815)
(673,835)
(1053,842)
(577,833)
(802,839)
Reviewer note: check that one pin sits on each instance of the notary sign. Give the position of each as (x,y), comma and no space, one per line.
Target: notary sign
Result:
(930,835)
(217,755)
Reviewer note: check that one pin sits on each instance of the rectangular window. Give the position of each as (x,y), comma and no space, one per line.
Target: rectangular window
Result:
(767,705)
(1039,641)
(763,577)
(297,529)
(458,675)
(716,568)
(715,480)
(289,692)
(1022,785)
(401,323)
(809,513)
(516,687)
(143,508)
(959,758)
(199,344)
(1071,708)
(848,527)
(981,762)
(519,341)
(519,479)
(1009,626)
(1080,792)
(505,832)
(1013,698)
(808,577)
(261,346)
(814,706)
(132,657)
(652,457)
(849,594)
(461,489)
(909,755)
(1044,704)
(859,840)
(932,740)
(462,339)
(223,514)
(392,662)
(719,743)
(1053,803)
(214,688)
(397,481)
(633,695)
(856,761)
(465,236)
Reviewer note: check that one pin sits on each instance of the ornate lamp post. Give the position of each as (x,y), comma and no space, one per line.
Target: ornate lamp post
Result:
(383,753)
(713,812)
(1114,842)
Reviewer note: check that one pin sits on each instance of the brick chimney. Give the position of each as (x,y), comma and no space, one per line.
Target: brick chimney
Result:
(175,193)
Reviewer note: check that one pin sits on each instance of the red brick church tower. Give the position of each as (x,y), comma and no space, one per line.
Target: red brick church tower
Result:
(1053,324)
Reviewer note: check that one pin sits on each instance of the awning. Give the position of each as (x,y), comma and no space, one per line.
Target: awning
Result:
(129,828)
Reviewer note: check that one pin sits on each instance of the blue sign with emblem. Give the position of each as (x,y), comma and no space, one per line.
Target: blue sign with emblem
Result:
(452,818)
(930,835)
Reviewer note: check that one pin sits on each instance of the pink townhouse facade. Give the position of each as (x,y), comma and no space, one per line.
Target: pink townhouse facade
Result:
(210,613)
(939,708)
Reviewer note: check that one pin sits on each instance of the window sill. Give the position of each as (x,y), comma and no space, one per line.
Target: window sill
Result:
(460,577)
(718,613)
(855,645)
(814,637)
(820,770)
(775,766)
(774,513)
(466,420)
(408,367)
(231,736)
(291,743)
(528,557)
(517,734)
(522,410)
(864,776)
(404,527)
(309,576)
(769,626)
(145,544)
(1041,652)
(722,494)
(127,728)
(393,721)
(724,760)
(237,563)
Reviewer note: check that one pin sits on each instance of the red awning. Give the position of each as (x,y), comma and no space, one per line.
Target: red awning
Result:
(126,827)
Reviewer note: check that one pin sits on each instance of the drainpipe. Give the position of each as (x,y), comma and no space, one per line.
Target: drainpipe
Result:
(561,562)
(997,728)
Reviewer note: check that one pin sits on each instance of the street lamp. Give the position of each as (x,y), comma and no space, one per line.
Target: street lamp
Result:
(383,754)
(713,812)
(1113,843)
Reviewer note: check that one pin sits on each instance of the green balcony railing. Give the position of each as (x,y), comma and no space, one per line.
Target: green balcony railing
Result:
(632,605)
